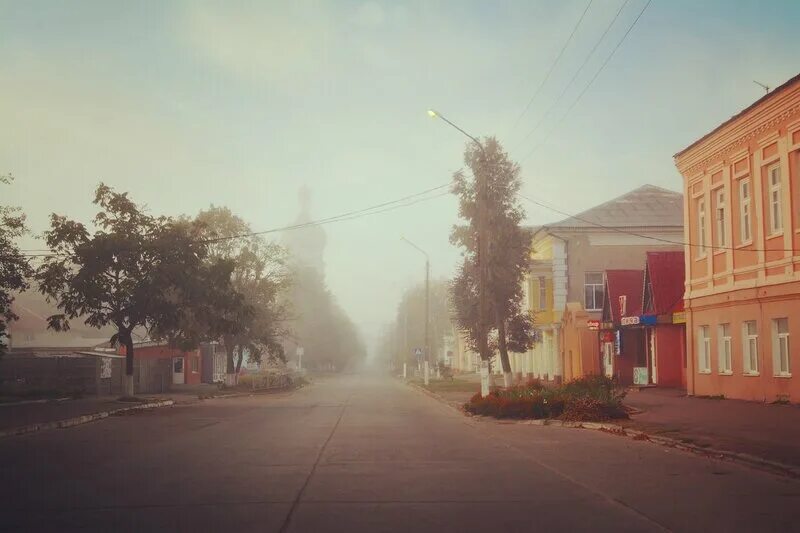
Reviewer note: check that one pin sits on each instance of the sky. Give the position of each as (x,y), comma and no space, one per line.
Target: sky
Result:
(188,104)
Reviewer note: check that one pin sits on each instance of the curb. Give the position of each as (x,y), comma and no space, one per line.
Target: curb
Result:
(616,429)
(78,420)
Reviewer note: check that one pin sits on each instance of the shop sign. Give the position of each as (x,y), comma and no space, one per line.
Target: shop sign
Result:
(629,320)
(679,317)
(648,320)
(640,375)
(618,342)
(607,336)
(607,325)
(593,325)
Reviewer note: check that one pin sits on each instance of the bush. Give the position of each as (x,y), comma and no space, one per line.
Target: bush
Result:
(584,399)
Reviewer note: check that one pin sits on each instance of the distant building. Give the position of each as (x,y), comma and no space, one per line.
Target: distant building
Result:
(742,217)
(569,258)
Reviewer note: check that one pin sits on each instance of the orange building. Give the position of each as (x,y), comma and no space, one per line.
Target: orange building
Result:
(742,220)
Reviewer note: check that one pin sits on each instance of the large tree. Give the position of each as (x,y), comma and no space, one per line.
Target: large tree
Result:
(136,270)
(259,277)
(14,266)
(495,181)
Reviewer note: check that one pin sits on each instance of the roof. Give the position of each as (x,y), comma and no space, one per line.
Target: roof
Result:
(626,283)
(665,273)
(647,206)
(741,113)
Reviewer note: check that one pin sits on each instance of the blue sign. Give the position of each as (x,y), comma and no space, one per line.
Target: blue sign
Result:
(648,320)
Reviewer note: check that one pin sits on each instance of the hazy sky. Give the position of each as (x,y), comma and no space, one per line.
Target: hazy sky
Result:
(185,104)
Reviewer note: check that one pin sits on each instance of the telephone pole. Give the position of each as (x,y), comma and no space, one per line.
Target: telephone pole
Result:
(482,257)
(427,309)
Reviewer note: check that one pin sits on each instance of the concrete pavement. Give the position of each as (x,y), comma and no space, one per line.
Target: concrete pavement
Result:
(361,453)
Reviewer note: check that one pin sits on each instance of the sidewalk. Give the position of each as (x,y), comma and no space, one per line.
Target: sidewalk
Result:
(27,413)
(766,431)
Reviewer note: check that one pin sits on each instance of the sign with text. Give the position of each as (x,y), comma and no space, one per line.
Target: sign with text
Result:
(629,320)
(594,325)
(679,317)
(640,375)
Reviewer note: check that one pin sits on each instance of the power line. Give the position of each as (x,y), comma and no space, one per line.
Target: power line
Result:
(398,203)
(586,88)
(577,72)
(552,66)
(651,237)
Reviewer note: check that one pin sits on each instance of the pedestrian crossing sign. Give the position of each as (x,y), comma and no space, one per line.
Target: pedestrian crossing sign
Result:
(418,352)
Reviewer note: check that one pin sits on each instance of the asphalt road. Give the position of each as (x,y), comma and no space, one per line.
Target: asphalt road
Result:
(362,453)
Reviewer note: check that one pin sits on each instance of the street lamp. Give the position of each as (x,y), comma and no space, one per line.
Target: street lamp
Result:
(426,372)
(483,242)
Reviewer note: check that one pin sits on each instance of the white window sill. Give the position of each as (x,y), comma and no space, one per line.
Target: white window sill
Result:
(726,372)
(700,257)
(721,250)
(751,374)
(745,244)
(782,376)
(704,371)
(775,235)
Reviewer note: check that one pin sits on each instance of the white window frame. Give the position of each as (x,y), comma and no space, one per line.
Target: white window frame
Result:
(775,200)
(598,305)
(719,213)
(701,226)
(750,357)
(704,350)
(745,211)
(781,349)
(542,293)
(724,350)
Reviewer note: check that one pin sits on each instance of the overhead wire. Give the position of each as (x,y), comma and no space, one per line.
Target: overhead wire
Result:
(577,73)
(588,85)
(552,66)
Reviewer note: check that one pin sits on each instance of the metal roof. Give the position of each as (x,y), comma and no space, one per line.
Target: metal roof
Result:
(647,206)
(626,283)
(665,273)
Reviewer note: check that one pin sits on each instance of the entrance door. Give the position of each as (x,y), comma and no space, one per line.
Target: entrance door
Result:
(177,371)
(608,359)
(653,357)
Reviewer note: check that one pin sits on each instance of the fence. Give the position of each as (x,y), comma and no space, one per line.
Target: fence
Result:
(270,380)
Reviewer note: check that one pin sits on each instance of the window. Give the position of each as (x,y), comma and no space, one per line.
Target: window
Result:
(701,227)
(744,211)
(775,213)
(195,364)
(542,293)
(780,347)
(703,350)
(724,348)
(750,347)
(720,216)
(593,291)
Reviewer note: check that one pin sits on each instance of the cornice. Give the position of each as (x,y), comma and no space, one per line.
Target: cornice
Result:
(731,137)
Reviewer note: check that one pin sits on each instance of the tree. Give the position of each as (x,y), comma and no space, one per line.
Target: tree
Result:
(15,268)
(136,270)
(258,277)
(508,251)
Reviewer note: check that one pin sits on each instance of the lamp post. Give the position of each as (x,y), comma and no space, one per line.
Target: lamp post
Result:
(426,371)
(482,256)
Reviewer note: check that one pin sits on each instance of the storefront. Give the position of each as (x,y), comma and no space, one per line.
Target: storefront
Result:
(622,350)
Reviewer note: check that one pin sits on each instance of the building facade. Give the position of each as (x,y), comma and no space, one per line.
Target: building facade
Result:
(742,217)
(566,287)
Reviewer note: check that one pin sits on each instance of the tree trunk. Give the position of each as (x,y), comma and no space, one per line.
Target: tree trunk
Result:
(501,337)
(230,368)
(128,380)
(239,359)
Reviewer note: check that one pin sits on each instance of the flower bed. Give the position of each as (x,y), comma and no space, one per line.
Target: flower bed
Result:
(591,398)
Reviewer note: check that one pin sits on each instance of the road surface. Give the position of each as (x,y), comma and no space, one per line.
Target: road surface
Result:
(363,453)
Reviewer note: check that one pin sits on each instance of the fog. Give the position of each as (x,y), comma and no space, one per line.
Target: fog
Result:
(188,104)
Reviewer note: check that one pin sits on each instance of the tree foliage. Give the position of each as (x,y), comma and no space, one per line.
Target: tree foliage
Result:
(15,267)
(259,277)
(135,270)
(508,251)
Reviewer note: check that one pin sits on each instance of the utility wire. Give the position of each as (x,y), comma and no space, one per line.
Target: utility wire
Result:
(577,72)
(586,88)
(405,201)
(651,237)
(552,66)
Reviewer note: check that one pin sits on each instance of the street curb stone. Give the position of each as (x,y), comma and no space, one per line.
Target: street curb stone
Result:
(78,420)
(736,457)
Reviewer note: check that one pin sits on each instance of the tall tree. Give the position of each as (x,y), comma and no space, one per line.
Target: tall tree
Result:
(135,270)
(508,250)
(259,277)
(14,266)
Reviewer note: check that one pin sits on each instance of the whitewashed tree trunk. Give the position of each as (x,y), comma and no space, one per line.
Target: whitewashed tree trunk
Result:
(127,384)
(230,380)
(508,379)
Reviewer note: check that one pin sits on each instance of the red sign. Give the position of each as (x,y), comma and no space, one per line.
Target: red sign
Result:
(593,324)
